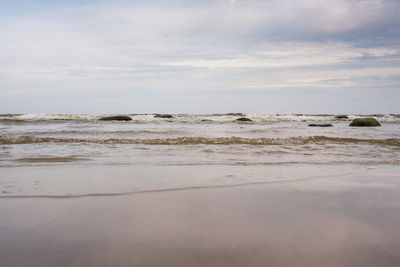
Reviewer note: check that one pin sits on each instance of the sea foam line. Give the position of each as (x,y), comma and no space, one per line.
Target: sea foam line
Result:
(174,189)
(15,140)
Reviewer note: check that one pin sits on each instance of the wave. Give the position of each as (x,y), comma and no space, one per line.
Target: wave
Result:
(319,140)
(194,118)
(46,117)
(104,132)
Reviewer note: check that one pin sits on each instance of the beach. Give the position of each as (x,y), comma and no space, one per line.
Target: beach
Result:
(348,220)
(192,133)
(183,192)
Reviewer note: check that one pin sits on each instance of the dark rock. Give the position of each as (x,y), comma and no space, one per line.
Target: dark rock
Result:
(243,119)
(163,116)
(365,122)
(320,125)
(116,118)
(235,114)
(319,115)
(341,117)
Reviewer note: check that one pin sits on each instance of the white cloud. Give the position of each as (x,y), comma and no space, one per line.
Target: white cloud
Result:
(288,55)
(217,45)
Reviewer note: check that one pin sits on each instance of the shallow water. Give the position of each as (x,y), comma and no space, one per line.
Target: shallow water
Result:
(42,139)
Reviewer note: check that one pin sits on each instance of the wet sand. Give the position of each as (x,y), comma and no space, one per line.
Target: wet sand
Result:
(333,221)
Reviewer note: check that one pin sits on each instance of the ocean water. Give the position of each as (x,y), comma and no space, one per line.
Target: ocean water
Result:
(63,155)
(199,190)
(71,140)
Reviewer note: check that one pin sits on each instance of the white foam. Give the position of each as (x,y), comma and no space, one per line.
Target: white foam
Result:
(257,118)
(43,116)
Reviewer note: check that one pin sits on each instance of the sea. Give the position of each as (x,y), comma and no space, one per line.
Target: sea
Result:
(215,149)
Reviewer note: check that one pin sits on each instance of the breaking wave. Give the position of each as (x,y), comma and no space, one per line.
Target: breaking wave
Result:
(319,140)
(194,118)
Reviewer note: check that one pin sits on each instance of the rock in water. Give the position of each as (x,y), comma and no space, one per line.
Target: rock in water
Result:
(116,118)
(243,119)
(234,114)
(341,117)
(361,122)
(163,116)
(320,125)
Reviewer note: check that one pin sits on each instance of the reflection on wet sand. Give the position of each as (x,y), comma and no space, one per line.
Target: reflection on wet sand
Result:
(349,221)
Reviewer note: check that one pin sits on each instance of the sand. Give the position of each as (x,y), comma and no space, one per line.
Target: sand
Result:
(351,220)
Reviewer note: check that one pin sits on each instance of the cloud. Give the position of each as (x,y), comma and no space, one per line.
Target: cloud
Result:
(185,47)
(293,54)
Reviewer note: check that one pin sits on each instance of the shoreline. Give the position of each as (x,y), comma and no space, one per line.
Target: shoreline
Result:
(347,220)
(58,181)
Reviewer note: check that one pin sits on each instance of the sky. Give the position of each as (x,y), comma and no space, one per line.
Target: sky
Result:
(192,56)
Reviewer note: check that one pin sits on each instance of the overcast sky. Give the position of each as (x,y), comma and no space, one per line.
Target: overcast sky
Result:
(189,56)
